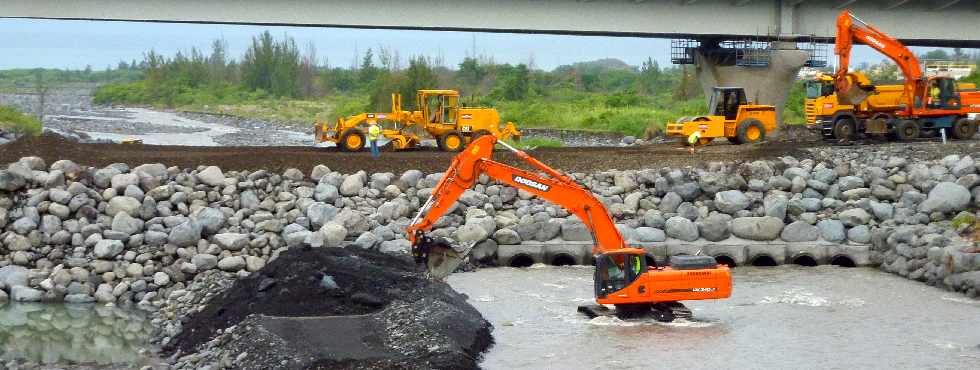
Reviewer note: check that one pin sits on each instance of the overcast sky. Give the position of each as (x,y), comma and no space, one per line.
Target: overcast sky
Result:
(27,43)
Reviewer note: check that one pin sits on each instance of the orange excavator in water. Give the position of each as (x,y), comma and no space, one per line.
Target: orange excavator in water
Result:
(625,277)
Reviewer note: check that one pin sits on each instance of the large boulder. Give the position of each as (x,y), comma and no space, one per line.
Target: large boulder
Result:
(831,230)
(107,249)
(25,294)
(508,236)
(367,240)
(649,234)
(573,230)
(320,213)
(775,207)
(800,231)
(352,185)
(212,176)
(125,204)
(731,201)
(333,234)
(121,181)
(670,202)
(946,197)
(757,228)
(859,234)
(204,261)
(211,220)
(11,276)
(470,233)
(850,182)
(681,228)
(854,217)
(715,227)
(126,224)
(231,241)
(186,234)
(232,263)
(11,181)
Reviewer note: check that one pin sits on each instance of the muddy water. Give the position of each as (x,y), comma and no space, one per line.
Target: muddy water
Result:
(786,317)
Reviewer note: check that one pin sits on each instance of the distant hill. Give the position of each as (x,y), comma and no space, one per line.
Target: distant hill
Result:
(600,65)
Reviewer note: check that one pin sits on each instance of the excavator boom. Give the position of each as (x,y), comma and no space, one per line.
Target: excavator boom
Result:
(467,167)
(850,28)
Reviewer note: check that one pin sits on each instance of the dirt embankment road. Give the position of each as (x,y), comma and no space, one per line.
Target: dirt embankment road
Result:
(52,147)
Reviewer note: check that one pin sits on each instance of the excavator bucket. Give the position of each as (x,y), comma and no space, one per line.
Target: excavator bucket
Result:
(440,257)
(850,91)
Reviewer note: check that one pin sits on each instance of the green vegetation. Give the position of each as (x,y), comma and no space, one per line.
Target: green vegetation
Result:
(14,121)
(18,79)
(273,80)
(535,142)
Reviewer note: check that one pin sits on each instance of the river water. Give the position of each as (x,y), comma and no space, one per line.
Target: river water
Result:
(76,336)
(786,317)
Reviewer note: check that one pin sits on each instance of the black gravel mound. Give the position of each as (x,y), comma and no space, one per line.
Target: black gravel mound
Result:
(342,308)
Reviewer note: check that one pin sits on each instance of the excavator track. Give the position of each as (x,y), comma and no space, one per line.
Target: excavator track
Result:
(675,309)
(663,311)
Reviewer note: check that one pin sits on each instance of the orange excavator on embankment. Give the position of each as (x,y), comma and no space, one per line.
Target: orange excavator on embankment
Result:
(625,277)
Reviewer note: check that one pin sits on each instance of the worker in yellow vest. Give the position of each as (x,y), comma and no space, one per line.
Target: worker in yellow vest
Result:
(693,139)
(374,132)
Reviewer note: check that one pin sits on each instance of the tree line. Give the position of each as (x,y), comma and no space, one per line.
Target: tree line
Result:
(276,67)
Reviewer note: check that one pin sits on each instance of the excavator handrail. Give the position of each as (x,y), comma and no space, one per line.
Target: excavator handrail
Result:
(475,160)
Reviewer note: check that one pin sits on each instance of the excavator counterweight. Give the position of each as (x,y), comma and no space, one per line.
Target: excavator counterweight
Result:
(625,277)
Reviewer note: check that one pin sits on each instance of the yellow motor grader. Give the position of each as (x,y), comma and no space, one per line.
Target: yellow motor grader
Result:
(439,116)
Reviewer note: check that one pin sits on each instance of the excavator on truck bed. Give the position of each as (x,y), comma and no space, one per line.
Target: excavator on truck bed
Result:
(625,277)
(927,103)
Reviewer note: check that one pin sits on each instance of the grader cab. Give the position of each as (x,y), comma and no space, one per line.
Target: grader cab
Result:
(732,116)
(439,116)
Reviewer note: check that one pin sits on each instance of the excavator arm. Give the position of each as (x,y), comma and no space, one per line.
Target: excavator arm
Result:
(851,28)
(475,160)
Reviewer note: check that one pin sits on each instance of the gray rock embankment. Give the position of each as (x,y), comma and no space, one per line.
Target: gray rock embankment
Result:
(167,238)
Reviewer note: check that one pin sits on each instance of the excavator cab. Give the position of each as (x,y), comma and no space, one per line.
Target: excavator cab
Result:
(726,100)
(617,270)
(942,93)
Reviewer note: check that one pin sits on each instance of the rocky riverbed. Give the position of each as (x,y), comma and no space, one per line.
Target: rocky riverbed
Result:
(171,239)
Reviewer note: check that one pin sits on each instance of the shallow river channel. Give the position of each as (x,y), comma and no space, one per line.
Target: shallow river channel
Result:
(786,317)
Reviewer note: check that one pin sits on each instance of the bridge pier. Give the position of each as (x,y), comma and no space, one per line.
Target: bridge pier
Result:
(764,84)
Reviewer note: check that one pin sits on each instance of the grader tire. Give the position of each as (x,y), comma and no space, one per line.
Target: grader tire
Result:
(750,131)
(964,129)
(451,142)
(352,140)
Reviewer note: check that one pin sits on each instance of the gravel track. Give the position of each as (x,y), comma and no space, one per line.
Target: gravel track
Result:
(52,147)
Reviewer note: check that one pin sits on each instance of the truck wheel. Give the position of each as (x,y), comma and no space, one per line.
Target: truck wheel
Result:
(964,129)
(906,130)
(352,140)
(451,142)
(844,129)
(750,131)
